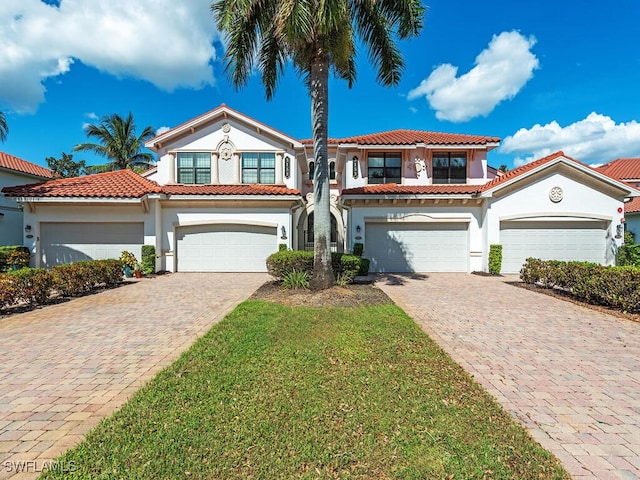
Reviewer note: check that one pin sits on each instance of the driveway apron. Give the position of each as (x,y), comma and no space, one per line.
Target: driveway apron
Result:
(569,374)
(66,366)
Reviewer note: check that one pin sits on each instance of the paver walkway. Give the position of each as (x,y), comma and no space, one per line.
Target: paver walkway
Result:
(569,374)
(66,366)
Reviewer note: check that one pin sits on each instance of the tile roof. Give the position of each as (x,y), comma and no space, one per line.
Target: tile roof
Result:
(516,172)
(117,184)
(128,184)
(633,206)
(412,137)
(395,189)
(622,169)
(17,164)
(252,189)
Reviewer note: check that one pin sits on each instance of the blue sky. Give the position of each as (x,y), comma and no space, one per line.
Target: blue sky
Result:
(543,76)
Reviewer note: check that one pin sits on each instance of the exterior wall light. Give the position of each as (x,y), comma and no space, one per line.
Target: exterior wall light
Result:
(27,228)
(355,166)
(358,229)
(284,233)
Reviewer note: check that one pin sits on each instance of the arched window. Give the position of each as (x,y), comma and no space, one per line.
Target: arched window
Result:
(332,170)
(312,170)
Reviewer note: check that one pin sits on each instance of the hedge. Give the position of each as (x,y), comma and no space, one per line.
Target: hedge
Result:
(282,263)
(148,259)
(615,287)
(6,251)
(495,259)
(34,286)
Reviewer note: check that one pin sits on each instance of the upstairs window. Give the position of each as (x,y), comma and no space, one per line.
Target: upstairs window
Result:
(332,170)
(194,167)
(385,168)
(449,168)
(259,167)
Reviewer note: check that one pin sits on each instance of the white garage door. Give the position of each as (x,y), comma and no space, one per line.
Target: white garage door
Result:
(225,248)
(417,247)
(579,241)
(72,242)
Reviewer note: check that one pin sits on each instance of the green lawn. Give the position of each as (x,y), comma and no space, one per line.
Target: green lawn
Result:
(279,392)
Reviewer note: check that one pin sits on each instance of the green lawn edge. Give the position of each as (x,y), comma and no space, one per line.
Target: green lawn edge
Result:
(295,392)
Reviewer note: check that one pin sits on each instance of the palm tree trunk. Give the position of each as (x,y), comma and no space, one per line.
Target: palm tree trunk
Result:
(319,90)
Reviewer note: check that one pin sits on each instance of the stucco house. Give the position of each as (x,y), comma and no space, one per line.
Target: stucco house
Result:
(228,189)
(15,171)
(627,170)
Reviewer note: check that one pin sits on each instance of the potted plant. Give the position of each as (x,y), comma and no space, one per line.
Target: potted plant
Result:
(137,270)
(128,262)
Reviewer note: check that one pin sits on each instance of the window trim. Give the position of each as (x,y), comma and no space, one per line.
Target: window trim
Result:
(259,169)
(193,169)
(449,180)
(385,179)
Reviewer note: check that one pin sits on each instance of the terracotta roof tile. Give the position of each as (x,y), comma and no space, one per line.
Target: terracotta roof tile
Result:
(516,172)
(395,189)
(633,206)
(252,189)
(412,137)
(622,169)
(14,163)
(117,184)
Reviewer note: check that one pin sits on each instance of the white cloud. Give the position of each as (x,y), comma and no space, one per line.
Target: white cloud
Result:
(91,115)
(161,130)
(500,71)
(165,42)
(595,139)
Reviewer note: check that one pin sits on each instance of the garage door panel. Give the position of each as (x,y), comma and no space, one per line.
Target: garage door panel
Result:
(66,242)
(225,248)
(414,247)
(580,241)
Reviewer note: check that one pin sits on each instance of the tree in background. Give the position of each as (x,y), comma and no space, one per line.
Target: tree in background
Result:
(317,36)
(66,167)
(117,141)
(4,129)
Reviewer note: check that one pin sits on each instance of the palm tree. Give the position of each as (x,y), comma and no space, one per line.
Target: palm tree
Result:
(117,141)
(317,36)
(4,129)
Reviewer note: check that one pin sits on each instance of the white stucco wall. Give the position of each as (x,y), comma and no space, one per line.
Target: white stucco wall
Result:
(78,213)
(173,217)
(434,214)
(244,139)
(579,203)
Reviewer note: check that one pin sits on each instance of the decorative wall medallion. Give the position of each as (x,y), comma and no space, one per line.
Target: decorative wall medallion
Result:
(555,194)
(226,148)
(226,128)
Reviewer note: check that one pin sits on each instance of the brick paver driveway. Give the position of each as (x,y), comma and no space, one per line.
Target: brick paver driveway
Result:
(66,366)
(570,374)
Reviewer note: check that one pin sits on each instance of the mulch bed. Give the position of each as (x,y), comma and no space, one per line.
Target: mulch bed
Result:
(356,295)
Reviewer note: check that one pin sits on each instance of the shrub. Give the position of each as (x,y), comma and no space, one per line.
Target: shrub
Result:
(148,259)
(73,278)
(282,263)
(629,255)
(282,247)
(7,290)
(358,248)
(616,287)
(495,259)
(32,285)
(295,280)
(7,251)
